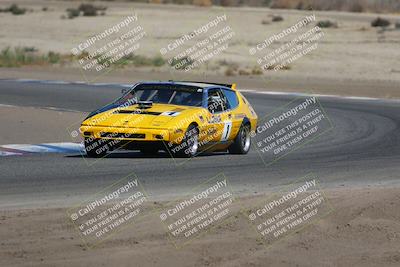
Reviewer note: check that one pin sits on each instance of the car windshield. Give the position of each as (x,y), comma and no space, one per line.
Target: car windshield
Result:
(166,94)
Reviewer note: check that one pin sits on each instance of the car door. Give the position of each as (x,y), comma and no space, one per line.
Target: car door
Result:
(234,117)
(219,120)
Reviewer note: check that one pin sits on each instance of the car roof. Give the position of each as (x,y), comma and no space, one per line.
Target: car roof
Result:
(196,84)
(190,83)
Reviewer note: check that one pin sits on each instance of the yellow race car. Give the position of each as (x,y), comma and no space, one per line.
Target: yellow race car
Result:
(182,118)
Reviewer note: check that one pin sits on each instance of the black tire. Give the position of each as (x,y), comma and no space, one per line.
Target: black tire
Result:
(189,145)
(95,148)
(242,141)
(149,151)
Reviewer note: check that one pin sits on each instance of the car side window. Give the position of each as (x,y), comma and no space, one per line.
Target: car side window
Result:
(232,98)
(216,101)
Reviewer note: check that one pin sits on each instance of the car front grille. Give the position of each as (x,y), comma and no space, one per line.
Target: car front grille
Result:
(122,135)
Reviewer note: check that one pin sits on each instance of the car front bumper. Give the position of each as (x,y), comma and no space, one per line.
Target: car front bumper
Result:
(125,133)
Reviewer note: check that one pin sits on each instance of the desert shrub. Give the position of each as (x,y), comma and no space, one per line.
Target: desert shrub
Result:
(45,8)
(285,67)
(243,72)
(265,22)
(379,22)
(158,61)
(88,10)
(83,54)
(230,72)
(397,25)
(14,9)
(279,67)
(327,24)
(276,18)
(6,58)
(30,49)
(256,71)
(73,12)
(53,57)
(181,63)
(26,56)
(341,5)
(138,61)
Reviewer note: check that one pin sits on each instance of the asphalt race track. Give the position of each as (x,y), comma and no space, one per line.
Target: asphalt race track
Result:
(362,148)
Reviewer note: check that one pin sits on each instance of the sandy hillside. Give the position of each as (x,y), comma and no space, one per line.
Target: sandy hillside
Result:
(363,230)
(353,51)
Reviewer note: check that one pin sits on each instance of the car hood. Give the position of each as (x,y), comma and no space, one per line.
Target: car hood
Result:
(156,116)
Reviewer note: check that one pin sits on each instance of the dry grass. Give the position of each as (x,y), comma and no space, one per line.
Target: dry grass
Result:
(25,56)
(20,56)
(340,5)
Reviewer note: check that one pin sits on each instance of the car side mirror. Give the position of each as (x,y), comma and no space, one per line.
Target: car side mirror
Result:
(124,90)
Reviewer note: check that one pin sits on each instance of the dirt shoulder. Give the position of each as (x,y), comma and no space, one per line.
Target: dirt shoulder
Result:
(361,231)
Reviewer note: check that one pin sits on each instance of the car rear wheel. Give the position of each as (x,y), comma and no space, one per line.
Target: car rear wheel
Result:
(95,148)
(242,142)
(190,143)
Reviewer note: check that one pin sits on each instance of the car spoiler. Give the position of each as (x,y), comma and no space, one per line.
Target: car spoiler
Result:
(229,85)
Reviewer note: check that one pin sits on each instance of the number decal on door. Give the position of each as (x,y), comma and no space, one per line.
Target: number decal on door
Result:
(227,130)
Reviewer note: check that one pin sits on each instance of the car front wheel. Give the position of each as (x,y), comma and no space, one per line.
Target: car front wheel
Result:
(242,142)
(189,145)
